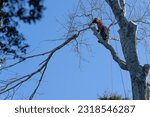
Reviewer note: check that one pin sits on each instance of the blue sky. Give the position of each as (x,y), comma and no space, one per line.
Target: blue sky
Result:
(67,77)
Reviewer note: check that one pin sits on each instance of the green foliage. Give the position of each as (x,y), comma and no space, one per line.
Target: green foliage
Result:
(12,12)
(112,97)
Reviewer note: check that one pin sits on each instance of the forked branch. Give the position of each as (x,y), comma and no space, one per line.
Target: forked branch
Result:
(116,58)
(11,84)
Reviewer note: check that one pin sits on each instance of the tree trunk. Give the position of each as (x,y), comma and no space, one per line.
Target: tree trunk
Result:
(139,90)
(148,92)
(137,74)
(128,39)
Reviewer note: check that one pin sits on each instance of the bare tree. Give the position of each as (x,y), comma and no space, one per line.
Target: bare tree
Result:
(128,37)
(114,12)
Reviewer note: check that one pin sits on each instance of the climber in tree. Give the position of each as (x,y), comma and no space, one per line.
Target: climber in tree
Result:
(104,31)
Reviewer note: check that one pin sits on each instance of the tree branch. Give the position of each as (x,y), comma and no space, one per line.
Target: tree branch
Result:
(24,59)
(38,85)
(118,12)
(12,84)
(146,69)
(122,4)
(120,62)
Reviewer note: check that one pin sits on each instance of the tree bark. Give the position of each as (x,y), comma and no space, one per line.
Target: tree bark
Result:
(127,32)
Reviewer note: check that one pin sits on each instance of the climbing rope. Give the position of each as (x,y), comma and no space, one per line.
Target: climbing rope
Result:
(121,74)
